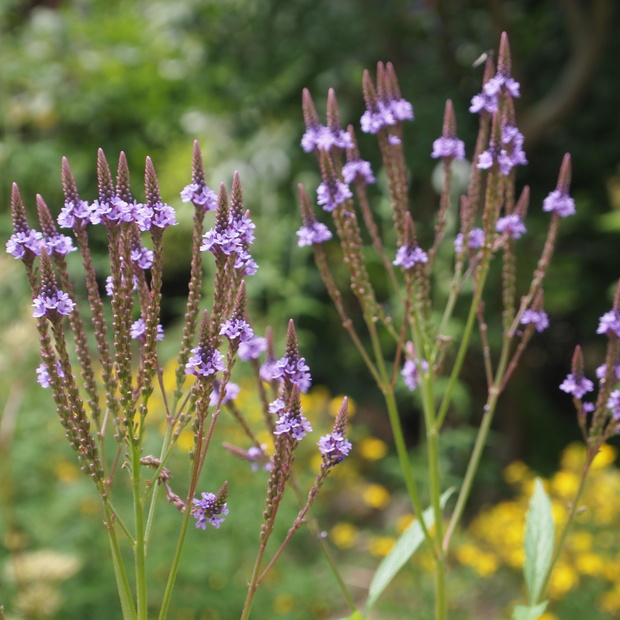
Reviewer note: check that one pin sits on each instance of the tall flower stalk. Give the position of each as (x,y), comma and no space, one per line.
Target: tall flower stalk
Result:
(120,379)
(414,330)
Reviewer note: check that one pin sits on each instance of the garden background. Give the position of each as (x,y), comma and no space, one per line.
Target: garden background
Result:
(150,77)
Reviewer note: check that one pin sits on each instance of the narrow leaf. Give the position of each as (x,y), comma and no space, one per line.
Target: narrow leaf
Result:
(403,549)
(354,616)
(521,612)
(539,541)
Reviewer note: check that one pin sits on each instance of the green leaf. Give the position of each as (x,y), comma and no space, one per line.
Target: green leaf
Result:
(521,612)
(403,549)
(539,541)
(356,615)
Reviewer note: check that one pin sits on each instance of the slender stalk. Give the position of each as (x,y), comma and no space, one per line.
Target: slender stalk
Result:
(139,545)
(568,524)
(165,604)
(120,573)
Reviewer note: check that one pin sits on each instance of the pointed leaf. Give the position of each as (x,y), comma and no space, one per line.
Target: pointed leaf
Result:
(356,615)
(539,541)
(521,612)
(403,549)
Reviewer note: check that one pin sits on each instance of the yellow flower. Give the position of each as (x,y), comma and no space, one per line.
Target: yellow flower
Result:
(372,448)
(344,535)
(565,484)
(482,562)
(606,456)
(380,545)
(590,564)
(563,579)
(376,496)
(283,604)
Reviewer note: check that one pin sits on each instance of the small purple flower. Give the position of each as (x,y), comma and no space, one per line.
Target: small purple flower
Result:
(411,373)
(312,233)
(329,196)
(613,403)
(578,386)
(293,371)
(448,148)
(559,202)
(231,391)
(200,195)
(487,100)
(609,323)
(512,225)
(476,239)
(508,154)
(159,215)
(142,257)
(251,349)
(109,285)
(58,244)
(204,362)
(237,329)
(334,448)
(43,376)
(601,371)
(50,304)
(74,213)
(209,509)
(324,139)
(138,330)
(409,255)
(297,426)
(22,243)
(538,318)
(358,170)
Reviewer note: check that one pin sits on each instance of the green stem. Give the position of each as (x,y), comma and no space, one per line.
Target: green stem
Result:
(568,524)
(163,613)
(465,340)
(139,545)
(120,574)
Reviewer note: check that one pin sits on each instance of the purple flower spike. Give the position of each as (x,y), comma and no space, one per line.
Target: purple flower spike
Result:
(512,225)
(358,170)
(209,508)
(329,196)
(293,371)
(201,195)
(43,376)
(296,425)
(538,318)
(560,203)
(251,349)
(313,232)
(204,362)
(231,391)
(609,323)
(408,256)
(578,386)
(237,328)
(26,242)
(138,330)
(334,448)
(411,373)
(448,148)
(476,239)
(613,403)
(508,154)
(74,213)
(52,303)
(142,257)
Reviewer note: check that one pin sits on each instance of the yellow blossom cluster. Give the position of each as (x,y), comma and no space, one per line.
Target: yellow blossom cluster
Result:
(495,537)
